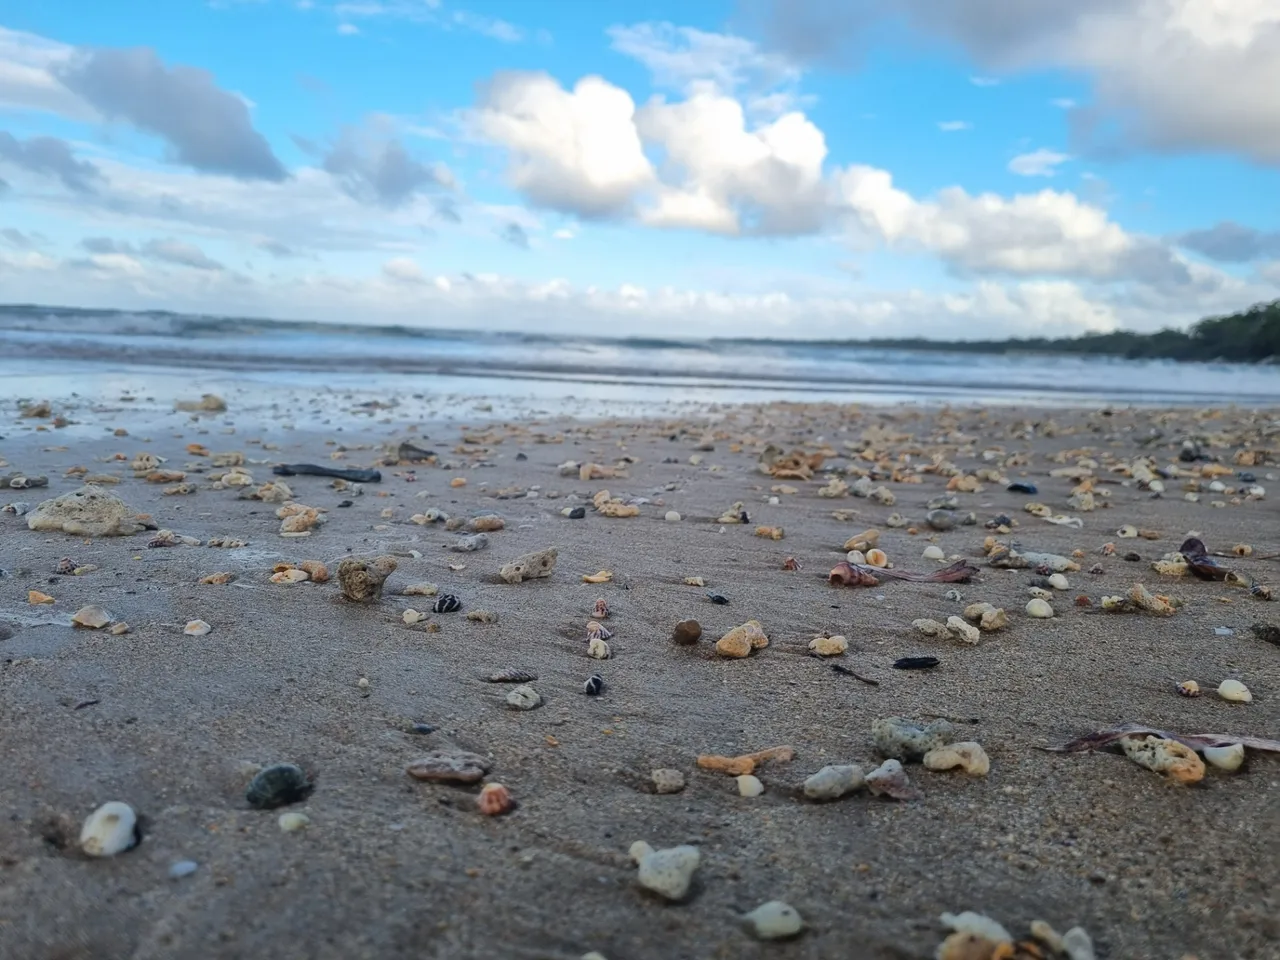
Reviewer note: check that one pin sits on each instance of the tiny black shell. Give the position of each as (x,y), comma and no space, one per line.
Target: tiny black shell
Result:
(278,785)
(447,603)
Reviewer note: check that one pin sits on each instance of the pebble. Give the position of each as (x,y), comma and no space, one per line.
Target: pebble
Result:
(967,755)
(183,868)
(92,617)
(673,516)
(276,786)
(940,519)
(361,579)
(686,632)
(531,566)
(87,512)
(598,649)
(930,628)
(109,830)
(666,780)
(471,544)
(833,782)
(668,873)
(1058,581)
(1223,631)
(1234,691)
(196,628)
(965,632)
(828,646)
(774,920)
(1039,608)
(1180,762)
(933,552)
(293,822)
(903,739)
(1229,758)
(449,766)
(421,590)
(1020,487)
(741,640)
(890,780)
(749,785)
(524,697)
(1077,945)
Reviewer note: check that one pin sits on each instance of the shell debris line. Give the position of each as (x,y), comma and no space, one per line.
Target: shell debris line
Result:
(761,637)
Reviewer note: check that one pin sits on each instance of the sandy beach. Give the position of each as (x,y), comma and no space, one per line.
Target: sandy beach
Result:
(389,866)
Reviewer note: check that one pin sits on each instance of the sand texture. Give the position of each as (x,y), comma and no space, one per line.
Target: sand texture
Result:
(391,866)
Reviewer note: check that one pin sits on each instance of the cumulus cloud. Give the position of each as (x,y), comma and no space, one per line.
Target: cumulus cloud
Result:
(576,150)
(206,127)
(1170,75)
(1037,163)
(1230,242)
(166,250)
(50,157)
(374,167)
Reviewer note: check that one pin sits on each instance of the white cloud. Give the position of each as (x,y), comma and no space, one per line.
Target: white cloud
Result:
(577,151)
(1063,103)
(954,126)
(564,234)
(984,81)
(348,29)
(403,270)
(1037,163)
(27,81)
(681,57)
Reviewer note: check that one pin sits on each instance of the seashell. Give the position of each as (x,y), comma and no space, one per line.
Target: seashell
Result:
(111,829)
(940,519)
(828,646)
(165,476)
(749,785)
(686,632)
(1039,608)
(1037,509)
(863,541)
(17,508)
(770,533)
(420,590)
(145,462)
(494,800)
(1229,758)
(118,629)
(196,628)
(66,566)
(1189,688)
(896,520)
(457,482)
(741,640)
(1127,532)
(531,566)
(1234,691)
(574,513)
(877,558)
(293,821)
(718,598)
(362,579)
(214,579)
(598,649)
(524,698)
(967,755)
(482,616)
(1058,581)
(446,603)
(179,490)
(668,873)
(292,575)
(672,516)
(1164,756)
(511,676)
(1261,591)
(833,782)
(890,780)
(594,685)
(1242,550)
(318,572)
(601,609)
(488,523)
(666,780)
(856,557)
(694,582)
(1141,597)
(92,617)
(36,597)
(278,785)
(604,576)
(933,552)
(791,563)
(902,739)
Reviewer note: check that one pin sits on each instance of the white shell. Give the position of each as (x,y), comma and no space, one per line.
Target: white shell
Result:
(931,552)
(833,782)
(774,920)
(1225,758)
(1039,608)
(196,628)
(749,786)
(673,516)
(1058,581)
(292,822)
(109,830)
(1235,691)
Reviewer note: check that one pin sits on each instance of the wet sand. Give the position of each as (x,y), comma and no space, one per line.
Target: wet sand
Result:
(391,867)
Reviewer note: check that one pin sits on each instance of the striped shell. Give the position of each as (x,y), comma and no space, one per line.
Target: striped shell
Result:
(597,631)
(447,603)
(601,611)
(594,685)
(511,676)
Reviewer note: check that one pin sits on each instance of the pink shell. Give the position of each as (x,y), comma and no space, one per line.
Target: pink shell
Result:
(494,800)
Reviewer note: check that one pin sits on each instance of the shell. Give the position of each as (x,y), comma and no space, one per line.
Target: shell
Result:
(91,617)
(449,766)
(601,610)
(196,628)
(1164,756)
(277,785)
(213,579)
(791,563)
(968,756)
(1189,688)
(604,576)
(598,649)
(66,566)
(877,558)
(718,598)
(447,603)
(1234,691)
(318,571)
(511,676)
(494,800)
(594,685)
(111,829)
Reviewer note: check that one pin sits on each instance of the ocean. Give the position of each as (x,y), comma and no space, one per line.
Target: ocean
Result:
(50,353)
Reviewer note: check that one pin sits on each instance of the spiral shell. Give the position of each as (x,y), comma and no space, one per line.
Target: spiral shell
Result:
(447,603)
(597,631)
(494,800)
(66,566)
(1189,688)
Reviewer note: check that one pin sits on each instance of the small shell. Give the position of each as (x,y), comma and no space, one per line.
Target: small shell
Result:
(601,610)
(1127,532)
(494,800)
(877,558)
(594,685)
(597,631)
(111,829)
(36,597)
(1234,691)
(92,617)
(66,566)
(604,576)
(598,649)
(318,571)
(1242,550)
(217,578)
(933,552)
(791,563)
(1189,688)
(1041,609)
(196,628)
(292,575)
(446,603)
(277,785)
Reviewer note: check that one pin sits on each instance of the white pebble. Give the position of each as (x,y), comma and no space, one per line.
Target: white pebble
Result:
(667,873)
(673,516)
(1223,631)
(196,628)
(1229,758)
(524,697)
(833,782)
(292,822)
(966,632)
(1077,944)
(183,868)
(774,920)
(749,786)
(856,556)
(933,552)
(109,830)
(1058,581)
(1235,691)
(1039,608)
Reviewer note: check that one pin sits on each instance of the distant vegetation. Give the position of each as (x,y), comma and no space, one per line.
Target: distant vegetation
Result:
(1251,336)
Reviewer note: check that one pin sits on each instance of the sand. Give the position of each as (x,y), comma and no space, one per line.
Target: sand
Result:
(390,867)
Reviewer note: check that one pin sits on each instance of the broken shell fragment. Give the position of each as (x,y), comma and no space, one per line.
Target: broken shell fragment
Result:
(92,617)
(828,646)
(1180,762)
(1229,758)
(196,628)
(292,575)
(1189,688)
(604,576)
(967,755)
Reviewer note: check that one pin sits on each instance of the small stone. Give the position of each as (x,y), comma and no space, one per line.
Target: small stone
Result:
(668,873)
(1058,581)
(967,755)
(277,785)
(531,566)
(470,544)
(92,617)
(1180,762)
(890,780)
(292,575)
(1234,691)
(965,632)
(828,646)
(1223,632)
(449,766)
(741,640)
(1229,758)
(598,649)
(903,739)
(686,632)
(1039,608)
(673,516)
(666,780)
(111,829)
(293,822)
(183,868)
(524,697)
(774,920)
(196,628)
(930,628)
(421,590)
(87,512)
(118,629)
(993,620)
(940,519)
(933,552)
(488,523)
(833,782)
(1077,945)
(749,785)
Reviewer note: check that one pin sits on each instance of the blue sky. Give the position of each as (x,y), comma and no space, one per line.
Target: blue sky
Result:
(774,167)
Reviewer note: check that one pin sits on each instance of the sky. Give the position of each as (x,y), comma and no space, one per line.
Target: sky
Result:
(781,168)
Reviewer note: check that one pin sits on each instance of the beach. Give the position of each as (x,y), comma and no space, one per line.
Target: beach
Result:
(390,866)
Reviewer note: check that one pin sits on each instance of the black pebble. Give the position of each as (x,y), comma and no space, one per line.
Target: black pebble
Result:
(1020,487)
(422,728)
(915,663)
(447,603)
(719,598)
(345,503)
(594,685)
(1133,557)
(277,785)
(577,513)
(1000,520)
(522,456)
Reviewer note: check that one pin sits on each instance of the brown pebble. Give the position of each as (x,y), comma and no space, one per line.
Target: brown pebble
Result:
(687,632)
